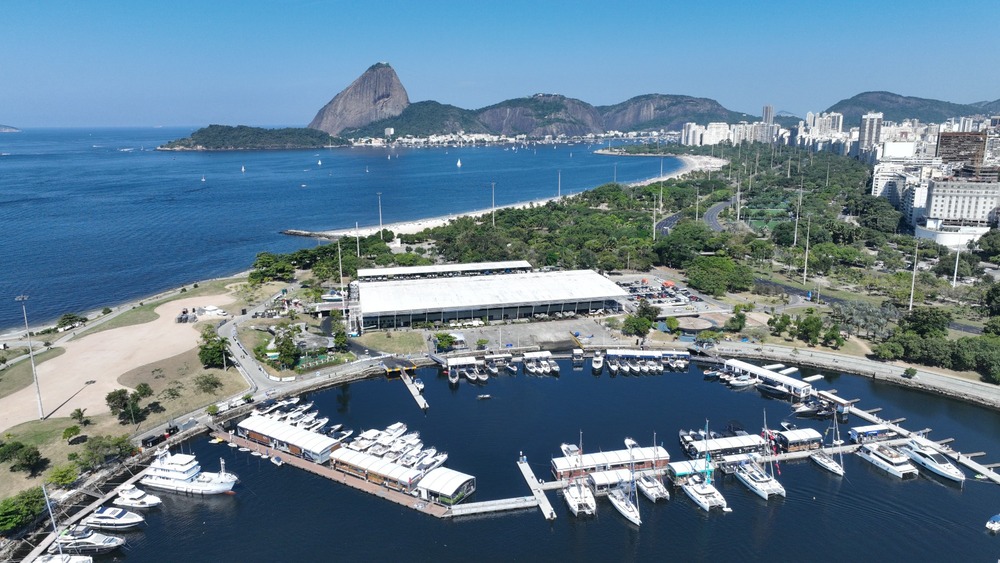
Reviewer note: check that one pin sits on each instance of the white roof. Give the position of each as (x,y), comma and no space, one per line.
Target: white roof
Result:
(801,435)
(870,428)
(750,441)
(278,430)
(796,385)
(375,464)
(444,481)
(540,355)
(614,458)
(609,478)
(443,268)
(461,361)
(468,293)
(635,353)
(681,468)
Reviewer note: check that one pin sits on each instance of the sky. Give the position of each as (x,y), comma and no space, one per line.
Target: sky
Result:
(191,63)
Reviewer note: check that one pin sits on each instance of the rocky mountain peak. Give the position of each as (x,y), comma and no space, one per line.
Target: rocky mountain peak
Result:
(376,94)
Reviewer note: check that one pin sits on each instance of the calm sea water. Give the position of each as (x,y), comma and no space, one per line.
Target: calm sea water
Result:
(90,218)
(284,514)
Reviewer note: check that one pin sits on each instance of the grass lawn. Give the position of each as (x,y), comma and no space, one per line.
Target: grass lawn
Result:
(398,342)
(18,376)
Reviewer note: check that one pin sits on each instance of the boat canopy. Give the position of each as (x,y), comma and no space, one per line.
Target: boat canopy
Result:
(685,468)
(542,355)
(445,482)
(371,464)
(604,479)
(799,435)
(602,461)
(796,386)
(498,357)
(461,362)
(726,446)
(648,354)
(318,445)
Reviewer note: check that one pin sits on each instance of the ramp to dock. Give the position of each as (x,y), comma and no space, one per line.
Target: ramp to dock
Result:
(536,488)
(500,505)
(421,401)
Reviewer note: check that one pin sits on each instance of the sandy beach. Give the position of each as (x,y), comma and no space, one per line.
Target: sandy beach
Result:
(689,163)
(103,357)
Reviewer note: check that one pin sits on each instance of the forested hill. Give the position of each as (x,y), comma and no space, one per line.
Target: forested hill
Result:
(242,137)
(895,107)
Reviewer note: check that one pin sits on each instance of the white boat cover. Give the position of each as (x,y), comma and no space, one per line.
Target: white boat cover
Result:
(319,445)
(444,482)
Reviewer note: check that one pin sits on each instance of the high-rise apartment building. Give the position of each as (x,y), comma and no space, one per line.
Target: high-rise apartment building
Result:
(871,129)
(768,114)
(969,148)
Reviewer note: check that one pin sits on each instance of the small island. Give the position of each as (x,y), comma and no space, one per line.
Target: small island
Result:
(242,137)
(9,129)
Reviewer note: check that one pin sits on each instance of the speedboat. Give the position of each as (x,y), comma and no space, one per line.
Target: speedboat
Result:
(82,539)
(622,501)
(492,368)
(570,450)
(711,375)
(531,367)
(993,524)
(554,367)
(613,367)
(111,518)
(453,376)
(759,481)
(932,460)
(580,499)
(511,367)
(484,396)
(743,381)
(130,496)
(597,364)
(418,384)
(652,488)
(545,367)
(888,459)
(181,473)
(827,462)
(773,391)
(703,493)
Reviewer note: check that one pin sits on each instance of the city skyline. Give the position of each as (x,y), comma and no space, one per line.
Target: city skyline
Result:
(188,63)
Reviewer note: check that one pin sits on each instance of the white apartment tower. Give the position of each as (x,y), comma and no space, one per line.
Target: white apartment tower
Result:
(871,130)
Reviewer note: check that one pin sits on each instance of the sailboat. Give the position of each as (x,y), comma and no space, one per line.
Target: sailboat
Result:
(760,482)
(59,557)
(319,163)
(825,460)
(650,485)
(459,163)
(243,168)
(700,489)
(579,497)
(623,496)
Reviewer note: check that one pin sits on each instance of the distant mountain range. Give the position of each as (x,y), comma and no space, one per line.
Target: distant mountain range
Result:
(897,108)
(377,100)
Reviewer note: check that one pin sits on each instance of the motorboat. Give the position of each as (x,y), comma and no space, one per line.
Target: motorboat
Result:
(993,524)
(419,385)
(554,367)
(621,499)
(654,366)
(613,366)
(484,396)
(888,459)
(340,436)
(580,499)
(624,368)
(317,424)
(633,364)
(570,450)
(395,430)
(711,375)
(643,366)
(511,367)
(773,391)
(411,457)
(111,518)
(597,363)
(703,493)
(531,367)
(933,461)
(545,367)
(492,369)
(429,463)
(763,484)
(277,461)
(181,473)
(652,488)
(453,377)
(84,540)
(131,496)
(743,381)
(64,558)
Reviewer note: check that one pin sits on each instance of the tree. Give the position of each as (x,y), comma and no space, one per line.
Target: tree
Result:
(481,343)
(444,341)
(647,310)
(207,383)
(70,433)
(992,300)
(79,416)
(288,352)
(21,509)
(340,342)
(69,320)
(144,390)
(992,326)
(736,322)
(926,321)
(672,323)
(888,351)
(213,352)
(63,475)
(636,325)
(27,459)
(809,328)
(212,410)
(910,373)
(117,400)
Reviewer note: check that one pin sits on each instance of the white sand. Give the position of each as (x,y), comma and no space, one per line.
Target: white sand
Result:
(104,357)
(690,163)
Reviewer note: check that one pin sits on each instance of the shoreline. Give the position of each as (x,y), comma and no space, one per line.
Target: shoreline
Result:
(689,164)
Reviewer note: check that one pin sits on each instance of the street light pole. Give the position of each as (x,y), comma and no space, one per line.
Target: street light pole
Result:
(615,177)
(913,280)
(380,236)
(954,278)
(493,190)
(31,354)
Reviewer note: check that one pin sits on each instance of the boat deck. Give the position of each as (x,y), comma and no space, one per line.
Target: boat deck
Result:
(536,489)
(80,515)
(417,396)
(381,491)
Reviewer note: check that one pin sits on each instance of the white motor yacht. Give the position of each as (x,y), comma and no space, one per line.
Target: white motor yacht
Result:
(111,518)
(597,364)
(930,459)
(81,539)
(181,473)
(621,499)
(130,496)
(613,366)
(652,488)
(888,459)
(580,499)
(993,524)
(759,481)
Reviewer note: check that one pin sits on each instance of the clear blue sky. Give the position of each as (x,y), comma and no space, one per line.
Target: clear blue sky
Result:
(68,64)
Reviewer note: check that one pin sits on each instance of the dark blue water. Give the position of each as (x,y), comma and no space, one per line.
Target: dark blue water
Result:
(90,218)
(285,514)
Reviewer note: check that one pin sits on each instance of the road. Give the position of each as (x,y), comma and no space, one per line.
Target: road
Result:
(712,215)
(664,225)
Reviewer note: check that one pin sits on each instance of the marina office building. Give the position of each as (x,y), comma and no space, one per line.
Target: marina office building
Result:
(405,300)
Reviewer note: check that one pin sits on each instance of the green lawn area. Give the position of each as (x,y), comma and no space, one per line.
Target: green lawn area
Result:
(18,376)
(397,342)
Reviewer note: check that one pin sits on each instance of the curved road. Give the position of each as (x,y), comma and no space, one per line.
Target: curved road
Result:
(712,215)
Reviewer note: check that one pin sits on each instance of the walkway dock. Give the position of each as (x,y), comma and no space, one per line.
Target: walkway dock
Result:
(504,504)
(421,401)
(536,488)
(80,515)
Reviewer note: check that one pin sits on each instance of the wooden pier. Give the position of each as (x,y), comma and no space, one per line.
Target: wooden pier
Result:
(412,387)
(536,488)
(80,515)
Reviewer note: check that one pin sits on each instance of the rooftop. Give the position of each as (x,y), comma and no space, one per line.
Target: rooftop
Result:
(442,269)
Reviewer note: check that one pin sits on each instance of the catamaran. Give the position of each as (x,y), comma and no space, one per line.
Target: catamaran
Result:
(579,497)
(700,489)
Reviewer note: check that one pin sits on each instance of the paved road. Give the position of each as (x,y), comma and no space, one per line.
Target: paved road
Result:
(664,225)
(712,215)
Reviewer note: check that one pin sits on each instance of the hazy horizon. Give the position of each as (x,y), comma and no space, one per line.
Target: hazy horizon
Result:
(189,64)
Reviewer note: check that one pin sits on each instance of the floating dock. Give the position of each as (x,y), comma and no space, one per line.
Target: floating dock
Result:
(421,401)
(501,505)
(536,489)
